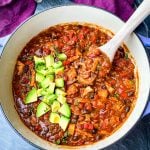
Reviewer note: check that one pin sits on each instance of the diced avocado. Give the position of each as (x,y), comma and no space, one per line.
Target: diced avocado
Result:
(59,82)
(65,110)
(46,100)
(46,82)
(61,99)
(62,56)
(55,106)
(49,60)
(43,92)
(57,64)
(38,60)
(60,92)
(51,88)
(52,97)
(54,118)
(39,92)
(40,67)
(59,70)
(43,72)
(39,77)
(51,77)
(63,122)
(31,96)
(49,99)
(47,72)
(39,63)
(50,71)
(42,109)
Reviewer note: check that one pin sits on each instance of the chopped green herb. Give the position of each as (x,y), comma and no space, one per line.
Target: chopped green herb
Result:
(116,95)
(126,56)
(58,142)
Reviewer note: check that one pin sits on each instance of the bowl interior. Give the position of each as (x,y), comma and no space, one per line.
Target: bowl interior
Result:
(63,14)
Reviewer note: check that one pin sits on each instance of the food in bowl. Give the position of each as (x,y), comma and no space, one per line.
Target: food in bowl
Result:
(63,89)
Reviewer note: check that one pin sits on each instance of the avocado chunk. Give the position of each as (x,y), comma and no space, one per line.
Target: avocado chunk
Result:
(51,88)
(46,82)
(39,77)
(63,122)
(55,106)
(60,92)
(49,60)
(39,60)
(59,70)
(54,118)
(61,99)
(50,70)
(42,109)
(40,67)
(51,77)
(59,82)
(62,56)
(49,99)
(43,71)
(65,110)
(57,64)
(31,96)
(39,63)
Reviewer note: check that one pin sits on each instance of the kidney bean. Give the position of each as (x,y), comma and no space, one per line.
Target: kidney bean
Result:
(75,138)
(94,131)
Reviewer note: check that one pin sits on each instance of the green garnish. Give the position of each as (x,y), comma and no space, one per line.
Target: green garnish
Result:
(57,64)
(49,60)
(126,56)
(50,90)
(116,95)
(55,106)
(62,56)
(58,142)
(54,118)
(59,82)
(31,96)
(42,109)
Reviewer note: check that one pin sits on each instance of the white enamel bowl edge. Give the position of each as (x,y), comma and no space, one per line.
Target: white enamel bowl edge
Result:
(63,14)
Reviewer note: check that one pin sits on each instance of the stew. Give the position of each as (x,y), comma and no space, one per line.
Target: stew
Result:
(86,101)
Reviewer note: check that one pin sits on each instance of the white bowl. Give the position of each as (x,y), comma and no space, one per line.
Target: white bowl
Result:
(64,14)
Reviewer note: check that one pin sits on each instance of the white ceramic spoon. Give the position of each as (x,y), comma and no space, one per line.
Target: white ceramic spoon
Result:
(138,16)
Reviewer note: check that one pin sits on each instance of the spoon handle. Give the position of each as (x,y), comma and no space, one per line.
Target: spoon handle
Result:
(138,16)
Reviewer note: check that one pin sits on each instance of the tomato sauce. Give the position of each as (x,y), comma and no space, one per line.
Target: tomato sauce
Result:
(100,98)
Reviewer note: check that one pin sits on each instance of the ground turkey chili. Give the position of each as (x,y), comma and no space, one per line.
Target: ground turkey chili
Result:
(99,101)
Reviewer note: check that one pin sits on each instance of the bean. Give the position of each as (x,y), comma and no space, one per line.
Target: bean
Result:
(26,69)
(75,138)
(94,131)
(73,120)
(131,93)
(127,109)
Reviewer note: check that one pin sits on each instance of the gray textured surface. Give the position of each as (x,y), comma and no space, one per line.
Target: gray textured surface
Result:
(137,139)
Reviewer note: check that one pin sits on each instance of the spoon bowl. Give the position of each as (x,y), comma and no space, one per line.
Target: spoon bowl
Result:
(110,48)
